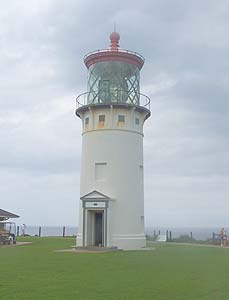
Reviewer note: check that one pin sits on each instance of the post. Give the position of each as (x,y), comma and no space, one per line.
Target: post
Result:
(170,236)
(167,235)
(213,237)
(159,232)
(64,231)
(18,229)
(191,235)
(39,231)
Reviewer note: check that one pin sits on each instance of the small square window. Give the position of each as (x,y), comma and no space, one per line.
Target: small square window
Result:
(102,118)
(137,121)
(87,121)
(121,118)
(100,171)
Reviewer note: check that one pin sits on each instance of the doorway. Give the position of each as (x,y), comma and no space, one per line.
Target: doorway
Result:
(99,229)
(95,228)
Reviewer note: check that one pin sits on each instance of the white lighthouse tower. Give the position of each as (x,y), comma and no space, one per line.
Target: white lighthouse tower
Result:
(113,113)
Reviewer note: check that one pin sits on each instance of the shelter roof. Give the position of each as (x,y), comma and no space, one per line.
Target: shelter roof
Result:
(7,214)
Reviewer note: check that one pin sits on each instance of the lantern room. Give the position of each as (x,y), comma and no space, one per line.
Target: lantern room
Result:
(113,74)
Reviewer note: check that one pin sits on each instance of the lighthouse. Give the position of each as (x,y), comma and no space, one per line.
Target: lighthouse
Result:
(113,113)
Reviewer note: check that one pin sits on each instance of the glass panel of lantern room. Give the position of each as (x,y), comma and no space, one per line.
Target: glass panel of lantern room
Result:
(113,81)
(104,90)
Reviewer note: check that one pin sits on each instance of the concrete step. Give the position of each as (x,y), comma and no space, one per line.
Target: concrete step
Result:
(96,249)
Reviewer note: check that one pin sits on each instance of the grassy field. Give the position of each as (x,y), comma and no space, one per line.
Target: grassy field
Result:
(170,272)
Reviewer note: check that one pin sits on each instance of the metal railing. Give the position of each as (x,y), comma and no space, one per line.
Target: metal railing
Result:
(96,97)
(118,50)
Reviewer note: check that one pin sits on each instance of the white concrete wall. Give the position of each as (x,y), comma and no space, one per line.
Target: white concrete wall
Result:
(120,146)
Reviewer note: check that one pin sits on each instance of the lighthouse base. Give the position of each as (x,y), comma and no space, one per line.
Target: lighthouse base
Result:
(122,241)
(129,241)
(79,240)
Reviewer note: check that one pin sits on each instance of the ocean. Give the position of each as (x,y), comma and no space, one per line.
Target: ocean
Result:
(49,230)
(199,233)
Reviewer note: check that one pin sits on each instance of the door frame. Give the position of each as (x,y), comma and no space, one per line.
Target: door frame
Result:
(95,201)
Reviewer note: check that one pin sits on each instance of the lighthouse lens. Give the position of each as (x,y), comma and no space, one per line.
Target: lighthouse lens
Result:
(113,81)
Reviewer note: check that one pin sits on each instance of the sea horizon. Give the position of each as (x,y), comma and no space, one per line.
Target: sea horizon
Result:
(199,233)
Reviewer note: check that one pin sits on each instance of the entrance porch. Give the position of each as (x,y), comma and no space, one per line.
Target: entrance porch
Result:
(95,212)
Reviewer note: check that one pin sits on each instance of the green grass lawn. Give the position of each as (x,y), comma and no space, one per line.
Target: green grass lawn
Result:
(174,272)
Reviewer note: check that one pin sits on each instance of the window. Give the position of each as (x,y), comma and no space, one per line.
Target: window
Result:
(101,121)
(137,121)
(102,118)
(86,120)
(141,174)
(100,171)
(142,220)
(121,118)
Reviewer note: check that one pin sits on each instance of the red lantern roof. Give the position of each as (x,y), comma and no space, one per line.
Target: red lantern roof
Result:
(114,53)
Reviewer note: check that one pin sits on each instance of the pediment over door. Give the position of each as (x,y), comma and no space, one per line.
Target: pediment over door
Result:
(95,195)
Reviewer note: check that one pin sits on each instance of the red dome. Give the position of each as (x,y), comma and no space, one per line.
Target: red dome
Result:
(114,37)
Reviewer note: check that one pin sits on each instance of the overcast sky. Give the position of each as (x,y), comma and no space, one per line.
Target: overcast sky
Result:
(186,75)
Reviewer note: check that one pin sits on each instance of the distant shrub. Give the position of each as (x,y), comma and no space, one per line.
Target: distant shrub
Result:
(151,238)
(185,238)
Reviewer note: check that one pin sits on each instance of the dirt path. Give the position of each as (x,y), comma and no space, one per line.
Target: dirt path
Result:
(17,244)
